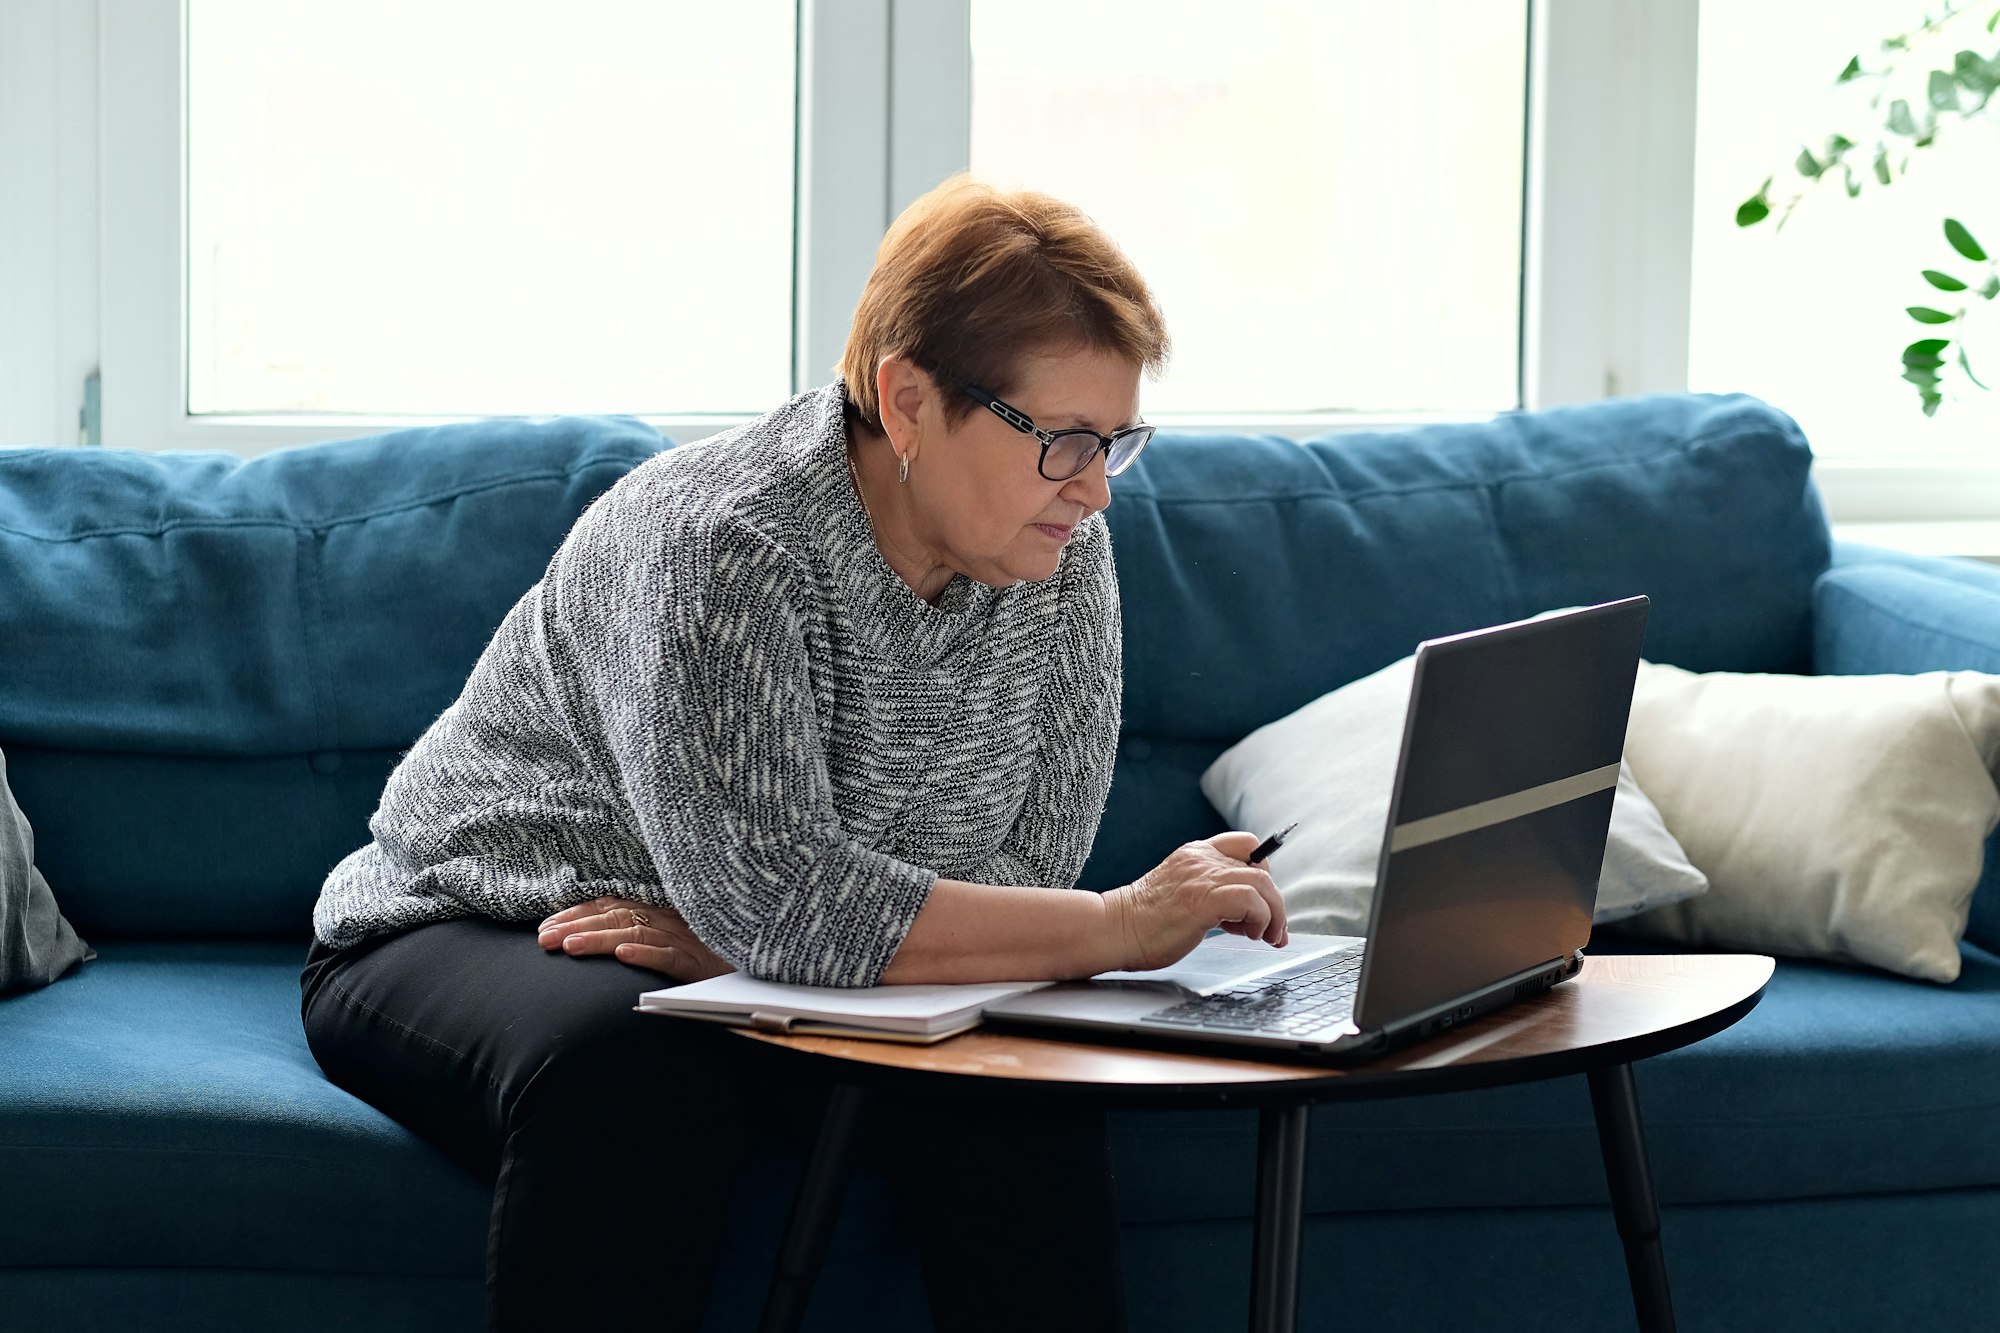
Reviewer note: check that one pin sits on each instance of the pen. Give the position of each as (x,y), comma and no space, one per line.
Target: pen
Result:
(1272,843)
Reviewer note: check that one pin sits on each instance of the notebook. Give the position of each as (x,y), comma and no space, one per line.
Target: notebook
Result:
(901,1013)
(928,1013)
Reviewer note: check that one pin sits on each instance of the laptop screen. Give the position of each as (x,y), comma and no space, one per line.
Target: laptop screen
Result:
(1502,802)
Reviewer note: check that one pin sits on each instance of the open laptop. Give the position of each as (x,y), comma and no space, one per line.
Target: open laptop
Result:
(1488,877)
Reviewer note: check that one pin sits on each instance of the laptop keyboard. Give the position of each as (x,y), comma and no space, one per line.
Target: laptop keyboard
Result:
(1292,1007)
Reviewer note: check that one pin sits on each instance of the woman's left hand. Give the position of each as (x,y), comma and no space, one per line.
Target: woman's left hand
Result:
(641,934)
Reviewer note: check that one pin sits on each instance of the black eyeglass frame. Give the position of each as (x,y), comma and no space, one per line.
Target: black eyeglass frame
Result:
(1024,423)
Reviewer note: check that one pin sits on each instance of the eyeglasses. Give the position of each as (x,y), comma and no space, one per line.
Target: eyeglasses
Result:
(1065,453)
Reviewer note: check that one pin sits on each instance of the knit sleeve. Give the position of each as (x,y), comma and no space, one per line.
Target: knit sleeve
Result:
(1052,836)
(680,659)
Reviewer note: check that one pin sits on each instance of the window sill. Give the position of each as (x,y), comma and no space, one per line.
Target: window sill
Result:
(1975,539)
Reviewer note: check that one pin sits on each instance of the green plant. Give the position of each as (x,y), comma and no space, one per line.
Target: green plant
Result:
(1957,89)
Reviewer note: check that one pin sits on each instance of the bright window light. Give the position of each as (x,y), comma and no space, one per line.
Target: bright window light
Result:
(489,206)
(1812,318)
(1324,194)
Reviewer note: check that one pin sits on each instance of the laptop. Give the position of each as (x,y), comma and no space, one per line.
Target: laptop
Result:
(1488,877)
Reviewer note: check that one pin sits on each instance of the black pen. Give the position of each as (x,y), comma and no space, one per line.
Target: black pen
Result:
(1271,844)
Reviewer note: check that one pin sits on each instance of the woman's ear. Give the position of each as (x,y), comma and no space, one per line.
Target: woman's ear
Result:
(902,389)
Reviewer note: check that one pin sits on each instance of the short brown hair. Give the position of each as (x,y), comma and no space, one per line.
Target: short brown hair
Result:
(970,278)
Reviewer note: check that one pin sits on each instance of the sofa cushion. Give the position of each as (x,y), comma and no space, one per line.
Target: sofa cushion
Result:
(231,632)
(172,1080)
(1839,1082)
(1258,573)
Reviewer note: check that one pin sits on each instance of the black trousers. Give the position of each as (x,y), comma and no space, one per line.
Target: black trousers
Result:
(614,1139)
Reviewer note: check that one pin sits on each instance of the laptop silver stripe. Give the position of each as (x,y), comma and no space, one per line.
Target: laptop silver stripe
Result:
(1484,814)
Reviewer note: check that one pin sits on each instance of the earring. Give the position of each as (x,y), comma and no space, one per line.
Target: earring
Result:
(903,468)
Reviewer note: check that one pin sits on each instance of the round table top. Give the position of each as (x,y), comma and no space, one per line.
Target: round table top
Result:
(1618,1009)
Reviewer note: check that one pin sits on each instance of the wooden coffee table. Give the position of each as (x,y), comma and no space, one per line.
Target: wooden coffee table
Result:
(1617,1010)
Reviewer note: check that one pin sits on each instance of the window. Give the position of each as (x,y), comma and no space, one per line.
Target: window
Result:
(1355,212)
(1812,318)
(1325,197)
(488,206)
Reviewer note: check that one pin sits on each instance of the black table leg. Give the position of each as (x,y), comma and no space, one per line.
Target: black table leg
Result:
(1281,1203)
(1623,1139)
(814,1212)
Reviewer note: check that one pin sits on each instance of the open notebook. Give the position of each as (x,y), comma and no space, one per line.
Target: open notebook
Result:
(932,1013)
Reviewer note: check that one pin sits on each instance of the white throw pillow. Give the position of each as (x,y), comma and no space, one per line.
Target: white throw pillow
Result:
(1330,765)
(1840,817)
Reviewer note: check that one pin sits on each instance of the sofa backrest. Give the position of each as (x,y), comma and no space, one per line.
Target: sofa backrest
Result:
(209,665)
(1258,573)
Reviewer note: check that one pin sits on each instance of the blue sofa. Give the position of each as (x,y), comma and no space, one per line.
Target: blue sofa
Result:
(208,666)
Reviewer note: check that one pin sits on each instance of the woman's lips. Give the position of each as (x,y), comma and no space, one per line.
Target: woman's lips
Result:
(1054,531)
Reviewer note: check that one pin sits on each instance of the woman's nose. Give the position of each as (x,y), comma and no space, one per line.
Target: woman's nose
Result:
(1090,488)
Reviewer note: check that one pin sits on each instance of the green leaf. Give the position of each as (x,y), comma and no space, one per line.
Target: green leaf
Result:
(1973,74)
(1923,357)
(1882,165)
(1923,314)
(1944,282)
(1836,147)
(1853,181)
(1994,21)
(1808,165)
(1943,90)
(1900,121)
(1852,72)
(1752,211)
(1992,287)
(1961,240)
(1926,380)
(1966,366)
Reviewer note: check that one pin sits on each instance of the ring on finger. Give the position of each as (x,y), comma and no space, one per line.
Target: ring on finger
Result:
(639,918)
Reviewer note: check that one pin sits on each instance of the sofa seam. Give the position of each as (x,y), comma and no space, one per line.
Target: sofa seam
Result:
(327,524)
(467,1276)
(342,1161)
(1653,1122)
(1595,465)
(1748,1201)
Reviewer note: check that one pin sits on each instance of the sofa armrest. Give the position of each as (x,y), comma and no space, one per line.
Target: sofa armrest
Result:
(1879,612)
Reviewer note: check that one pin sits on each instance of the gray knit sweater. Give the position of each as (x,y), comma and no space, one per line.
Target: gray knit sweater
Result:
(721,698)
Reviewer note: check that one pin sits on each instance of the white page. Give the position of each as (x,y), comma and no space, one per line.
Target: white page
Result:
(733,993)
(1225,960)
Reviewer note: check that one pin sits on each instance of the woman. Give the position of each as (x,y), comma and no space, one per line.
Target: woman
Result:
(831,698)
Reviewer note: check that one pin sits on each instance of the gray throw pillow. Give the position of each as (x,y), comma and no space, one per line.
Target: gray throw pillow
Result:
(1330,766)
(36,944)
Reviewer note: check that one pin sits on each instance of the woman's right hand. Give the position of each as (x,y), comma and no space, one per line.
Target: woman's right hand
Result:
(1202,885)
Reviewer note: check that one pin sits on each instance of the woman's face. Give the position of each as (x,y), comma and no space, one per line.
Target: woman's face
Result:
(977,497)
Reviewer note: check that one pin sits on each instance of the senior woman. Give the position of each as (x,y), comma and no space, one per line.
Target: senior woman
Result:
(831,698)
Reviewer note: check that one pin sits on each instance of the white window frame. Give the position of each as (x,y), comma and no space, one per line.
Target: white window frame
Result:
(48,217)
(92,172)
(872,73)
